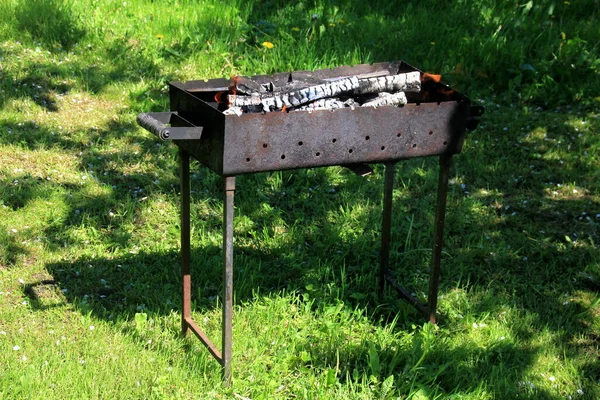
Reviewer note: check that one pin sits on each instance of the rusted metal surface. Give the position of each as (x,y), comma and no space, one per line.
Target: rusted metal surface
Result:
(212,349)
(409,297)
(187,323)
(184,173)
(386,225)
(438,234)
(433,123)
(229,184)
(158,122)
(429,309)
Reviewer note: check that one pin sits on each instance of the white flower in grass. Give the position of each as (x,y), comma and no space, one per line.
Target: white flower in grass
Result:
(580,392)
(552,378)
(92,327)
(24,358)
(16,348)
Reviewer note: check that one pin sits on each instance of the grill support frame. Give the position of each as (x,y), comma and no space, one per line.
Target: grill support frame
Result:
(224,357)
(434,123)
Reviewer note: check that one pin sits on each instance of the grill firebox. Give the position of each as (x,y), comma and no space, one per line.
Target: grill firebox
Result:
(432,123)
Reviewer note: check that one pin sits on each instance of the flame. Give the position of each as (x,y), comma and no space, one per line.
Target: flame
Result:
(448,92)
(221,97)
(432,90)
(233,84)
(430,77)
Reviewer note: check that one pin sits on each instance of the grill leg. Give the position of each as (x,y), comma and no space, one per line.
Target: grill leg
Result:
(229,183)
(184,159)
(386,228)
(440,217)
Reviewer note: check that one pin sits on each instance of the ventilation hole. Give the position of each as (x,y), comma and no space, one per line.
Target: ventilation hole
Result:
(283,156)
(418,103)
(300,143)
(350,151)
(247,159)
(382,147)
(317,154)
(265,145)
(414,145)
(367,137)
(398,134)
(431,132)
(333,140)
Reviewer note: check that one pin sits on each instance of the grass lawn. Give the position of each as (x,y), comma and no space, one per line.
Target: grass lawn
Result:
(89,208)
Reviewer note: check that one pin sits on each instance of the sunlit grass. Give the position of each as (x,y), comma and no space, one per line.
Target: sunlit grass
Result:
(89,204)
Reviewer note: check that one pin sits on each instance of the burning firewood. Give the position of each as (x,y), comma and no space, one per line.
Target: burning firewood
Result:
(386,99)
(234,111)
(327,104)
(295,98)
(409,82)
(354,91)
(241,84)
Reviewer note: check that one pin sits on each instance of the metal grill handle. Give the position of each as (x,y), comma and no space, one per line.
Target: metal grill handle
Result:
(156,123)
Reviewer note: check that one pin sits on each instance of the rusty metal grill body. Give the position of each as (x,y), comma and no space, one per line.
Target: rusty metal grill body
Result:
(433,123)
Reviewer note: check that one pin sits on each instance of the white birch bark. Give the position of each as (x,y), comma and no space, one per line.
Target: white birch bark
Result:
(296,98)
(386,99)
(408,82)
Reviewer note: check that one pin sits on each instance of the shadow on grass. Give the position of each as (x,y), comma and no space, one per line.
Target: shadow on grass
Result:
(533,271)
(51,22)
(431,367)
(44,83)
(333,262)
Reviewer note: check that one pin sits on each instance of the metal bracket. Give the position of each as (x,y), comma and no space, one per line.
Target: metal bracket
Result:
(157,122)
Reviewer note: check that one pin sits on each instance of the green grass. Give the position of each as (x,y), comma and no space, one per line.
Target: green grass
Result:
(89,229)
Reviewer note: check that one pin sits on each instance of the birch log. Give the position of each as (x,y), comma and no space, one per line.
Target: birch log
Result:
(386,99)
(407,82)
(296,98)
(327,104)
(241,84)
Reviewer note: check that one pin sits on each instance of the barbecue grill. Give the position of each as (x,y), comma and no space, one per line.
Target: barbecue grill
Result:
(433,122)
